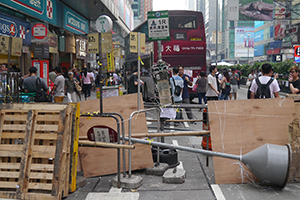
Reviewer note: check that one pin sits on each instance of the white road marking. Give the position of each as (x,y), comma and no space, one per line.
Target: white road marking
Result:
(218,192)
(186,124)
(175,142)
(115,190)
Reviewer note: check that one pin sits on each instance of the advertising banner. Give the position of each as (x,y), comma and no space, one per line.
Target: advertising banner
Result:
(15,28)
(279,9)
(259,36)
(279,30)
(81,46)
(297,53)
(259,50)
(233,10)
(256,10)
(244,42)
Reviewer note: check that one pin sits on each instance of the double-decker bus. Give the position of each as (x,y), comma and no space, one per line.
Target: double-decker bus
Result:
(186,47)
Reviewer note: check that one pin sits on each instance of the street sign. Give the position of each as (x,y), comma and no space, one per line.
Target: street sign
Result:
(101,133)
(158,25)
(104,24)
(134,42)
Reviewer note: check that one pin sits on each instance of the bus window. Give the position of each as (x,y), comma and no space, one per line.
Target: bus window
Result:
(186,22)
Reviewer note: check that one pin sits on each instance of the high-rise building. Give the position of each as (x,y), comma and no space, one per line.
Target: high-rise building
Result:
(140,9)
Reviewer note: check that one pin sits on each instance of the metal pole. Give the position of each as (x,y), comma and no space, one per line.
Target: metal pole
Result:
(8,69)
(248,49)
(159,50)
(139,72)
(193,150)
(217,31)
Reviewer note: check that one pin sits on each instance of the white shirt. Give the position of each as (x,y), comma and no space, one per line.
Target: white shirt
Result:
(274,87)
(213,81)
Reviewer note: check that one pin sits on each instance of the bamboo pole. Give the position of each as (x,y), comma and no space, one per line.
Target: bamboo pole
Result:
(104,144)
(177,120)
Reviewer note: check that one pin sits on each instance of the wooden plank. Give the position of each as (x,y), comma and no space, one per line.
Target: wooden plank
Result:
(65,163)
(36,148)
(294,141)
(94,158)
(27,196)
(5,184)
(2,116)
(238,127)
(15,117)
(40,186)
(34,106)
(9,174)
(90,164)
(58,154)
(39,136)
(21,127)
(27,152)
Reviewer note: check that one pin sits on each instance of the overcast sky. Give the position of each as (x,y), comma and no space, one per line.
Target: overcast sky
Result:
(169,5)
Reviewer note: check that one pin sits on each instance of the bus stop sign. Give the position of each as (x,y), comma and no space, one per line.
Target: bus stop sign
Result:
(158,25)
(101,133)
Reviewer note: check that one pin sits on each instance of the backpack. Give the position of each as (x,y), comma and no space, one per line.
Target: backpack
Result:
(177,90)
(41,95)
(263,90)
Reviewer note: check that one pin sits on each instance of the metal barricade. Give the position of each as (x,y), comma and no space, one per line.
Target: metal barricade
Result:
(9,91)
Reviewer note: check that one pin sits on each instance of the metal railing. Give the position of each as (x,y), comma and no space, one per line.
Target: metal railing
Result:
(10,91)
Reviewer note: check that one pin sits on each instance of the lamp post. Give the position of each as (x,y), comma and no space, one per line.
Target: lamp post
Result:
(248,49)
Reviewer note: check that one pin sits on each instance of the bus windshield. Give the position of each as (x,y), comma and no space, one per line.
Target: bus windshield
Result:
(183,22)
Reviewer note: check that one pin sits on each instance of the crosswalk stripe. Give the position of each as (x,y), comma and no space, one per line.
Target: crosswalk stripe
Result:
(218,192)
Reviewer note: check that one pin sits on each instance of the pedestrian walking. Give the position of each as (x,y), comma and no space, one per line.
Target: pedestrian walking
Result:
(212,91)
(133,83)
(202,87)
(176,81)
(234,78)
(225,85)
(86,82)
(70,87)
(59,86)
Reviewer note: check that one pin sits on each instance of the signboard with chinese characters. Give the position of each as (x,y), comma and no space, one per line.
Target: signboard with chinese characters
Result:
(233,10)
(158,25)
(106,42)
(39,32)
(4,44)
(81,44)
(93,43)
(16,46)
(104,24)
(117,49)
(134,42)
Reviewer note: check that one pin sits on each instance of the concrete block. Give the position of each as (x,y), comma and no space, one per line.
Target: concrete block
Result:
(175,175)
(157,170)
(134,181)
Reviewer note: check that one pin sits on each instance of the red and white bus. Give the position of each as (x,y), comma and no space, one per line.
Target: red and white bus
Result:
(186,47)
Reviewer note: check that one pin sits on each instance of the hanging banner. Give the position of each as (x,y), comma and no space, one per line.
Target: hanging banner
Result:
(110,62)
(133,42)
(117,49)
(106,42)
(16,46)
(93,43)
(4,44)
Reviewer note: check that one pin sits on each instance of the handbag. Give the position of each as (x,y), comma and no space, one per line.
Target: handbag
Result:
(177,90)
(78,88)
(195,88)
(223,86)
(248,82)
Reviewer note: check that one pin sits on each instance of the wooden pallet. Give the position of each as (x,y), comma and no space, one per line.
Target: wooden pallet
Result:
(35,150)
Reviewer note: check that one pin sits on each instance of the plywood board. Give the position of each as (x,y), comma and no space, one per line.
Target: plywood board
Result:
(90,157)
(238,127)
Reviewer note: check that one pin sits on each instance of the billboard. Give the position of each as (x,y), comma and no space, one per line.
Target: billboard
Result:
(244,42)
(259,36)
(259,50)
(256,10)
